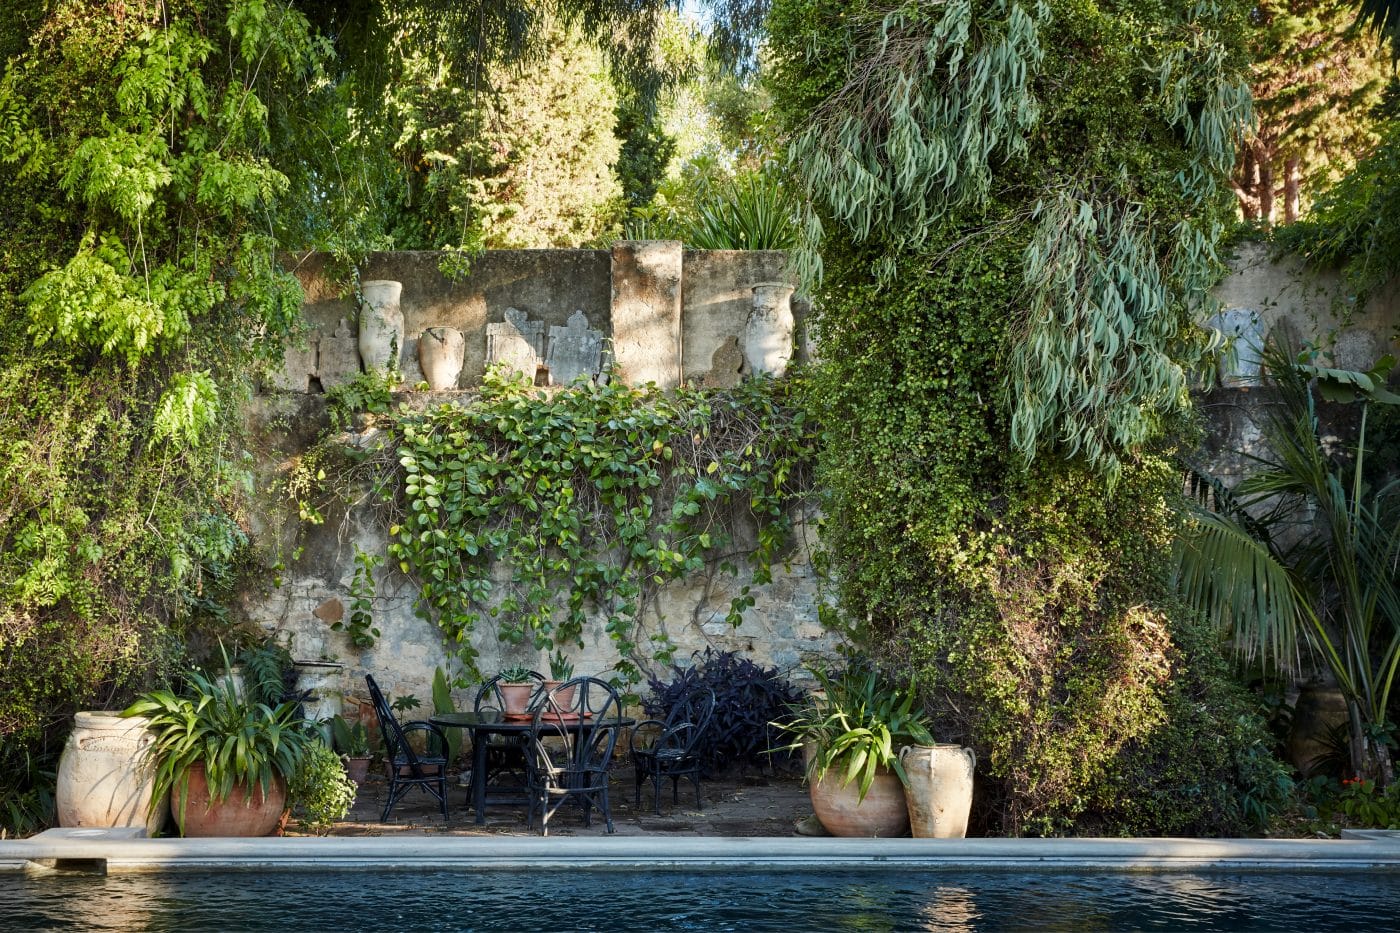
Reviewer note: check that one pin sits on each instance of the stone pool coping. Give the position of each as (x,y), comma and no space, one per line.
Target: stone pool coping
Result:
(103,851)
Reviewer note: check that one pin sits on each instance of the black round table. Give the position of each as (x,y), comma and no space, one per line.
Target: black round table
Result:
(487,723)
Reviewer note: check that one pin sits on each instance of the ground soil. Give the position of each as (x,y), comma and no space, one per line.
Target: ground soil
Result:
(735,804)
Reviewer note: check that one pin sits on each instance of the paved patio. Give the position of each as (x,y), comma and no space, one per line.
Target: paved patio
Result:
(736,804)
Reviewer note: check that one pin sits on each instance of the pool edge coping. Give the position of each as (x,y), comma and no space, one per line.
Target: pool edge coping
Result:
(123,851)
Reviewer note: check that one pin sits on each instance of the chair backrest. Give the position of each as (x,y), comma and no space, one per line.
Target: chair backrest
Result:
(488,695)
(396,747)
(586,714)
(689,720)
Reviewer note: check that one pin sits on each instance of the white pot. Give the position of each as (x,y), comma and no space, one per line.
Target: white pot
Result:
(939,794)
(104,776)
(381,324)
(768,334)
(441,352)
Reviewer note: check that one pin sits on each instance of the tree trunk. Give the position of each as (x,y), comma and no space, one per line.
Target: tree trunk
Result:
(1247,189)
(1290,190)
(1266,189)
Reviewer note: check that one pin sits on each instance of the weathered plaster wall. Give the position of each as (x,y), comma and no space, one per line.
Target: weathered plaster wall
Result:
(665,313)
(1301,306)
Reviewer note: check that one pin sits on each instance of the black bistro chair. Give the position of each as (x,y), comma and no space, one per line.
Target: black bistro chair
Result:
(575,731)
(671,747)
(408,769)
(505,754)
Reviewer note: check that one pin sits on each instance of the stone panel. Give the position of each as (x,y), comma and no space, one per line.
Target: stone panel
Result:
(646,311)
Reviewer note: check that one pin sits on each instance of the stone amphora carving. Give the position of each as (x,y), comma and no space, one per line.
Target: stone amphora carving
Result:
(105,777)
(381,324)
(441,352)
(768,336)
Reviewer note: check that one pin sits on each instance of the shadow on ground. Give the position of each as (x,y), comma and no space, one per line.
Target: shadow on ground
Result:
(736,804)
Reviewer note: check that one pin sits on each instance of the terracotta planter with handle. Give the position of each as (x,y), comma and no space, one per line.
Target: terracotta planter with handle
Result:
(245,812)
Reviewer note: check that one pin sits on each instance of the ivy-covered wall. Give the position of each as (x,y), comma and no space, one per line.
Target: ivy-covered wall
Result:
(319,583)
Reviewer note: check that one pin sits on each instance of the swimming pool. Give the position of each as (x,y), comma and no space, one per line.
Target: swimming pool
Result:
(717,900)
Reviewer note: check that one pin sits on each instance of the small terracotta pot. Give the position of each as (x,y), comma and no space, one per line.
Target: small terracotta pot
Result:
(245,812)
(516,698)
(882,813)
(357,769)
(564,699)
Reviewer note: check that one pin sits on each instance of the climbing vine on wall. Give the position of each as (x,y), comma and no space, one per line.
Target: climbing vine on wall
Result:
(533,510)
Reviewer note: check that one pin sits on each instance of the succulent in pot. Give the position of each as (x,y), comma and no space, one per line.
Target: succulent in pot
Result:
(560,670)
(224,759)
(851,730)
(517,684)
(352,741)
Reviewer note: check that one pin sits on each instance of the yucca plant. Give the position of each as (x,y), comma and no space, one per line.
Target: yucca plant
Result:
(239,742)
(1304,551)
(752,211)
(855,725)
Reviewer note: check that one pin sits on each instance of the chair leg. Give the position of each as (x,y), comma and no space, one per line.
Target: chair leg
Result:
(675,789)
(396,791)
(656,792)
(637,781)
(442,793)
(699,801)
(607,811)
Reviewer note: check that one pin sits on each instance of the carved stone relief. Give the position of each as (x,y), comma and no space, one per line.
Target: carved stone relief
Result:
(340,357)
(574,350)
(518,343)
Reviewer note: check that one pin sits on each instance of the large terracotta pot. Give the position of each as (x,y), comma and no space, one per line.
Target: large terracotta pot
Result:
(245,812)
(882,813)
(104,777)
(381,324)
(939,794)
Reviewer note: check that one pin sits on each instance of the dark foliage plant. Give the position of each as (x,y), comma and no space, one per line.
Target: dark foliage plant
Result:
(749,698)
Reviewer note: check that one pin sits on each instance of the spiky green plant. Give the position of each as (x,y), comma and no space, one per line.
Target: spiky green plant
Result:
(238,742)
(1331,588)
(856,725)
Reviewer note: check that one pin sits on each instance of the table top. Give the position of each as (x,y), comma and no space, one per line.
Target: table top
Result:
(491,720)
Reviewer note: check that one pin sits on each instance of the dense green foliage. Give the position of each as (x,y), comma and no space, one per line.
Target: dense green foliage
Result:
(1020,207)
(139,293)
(590,496)
(1317,79)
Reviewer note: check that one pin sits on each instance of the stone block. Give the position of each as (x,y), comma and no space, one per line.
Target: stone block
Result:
(340,356)
(646,311)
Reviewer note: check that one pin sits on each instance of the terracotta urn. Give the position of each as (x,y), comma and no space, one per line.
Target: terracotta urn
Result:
(245,812)
(516,698)
(441,352)
(768,333)
(882,813)
(357,768)
(939,794)
(381,324)
(104,776)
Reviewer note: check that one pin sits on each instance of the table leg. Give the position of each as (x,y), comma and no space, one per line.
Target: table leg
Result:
(479,740)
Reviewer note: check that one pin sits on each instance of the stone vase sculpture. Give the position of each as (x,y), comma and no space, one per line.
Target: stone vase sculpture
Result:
(381,324)
(105,777)
(441,353)
(768,334)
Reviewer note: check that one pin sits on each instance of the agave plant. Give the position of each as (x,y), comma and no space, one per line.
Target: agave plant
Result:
(1303,552)
(856,725)
(238,741)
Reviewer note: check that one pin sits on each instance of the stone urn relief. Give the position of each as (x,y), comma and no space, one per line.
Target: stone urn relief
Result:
(768,334)
(381,324)
(441,352)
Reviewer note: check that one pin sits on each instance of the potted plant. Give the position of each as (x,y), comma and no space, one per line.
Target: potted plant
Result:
(320,792)
(352,741)
(560,670)
(851,731)
(517,684)
(224,759)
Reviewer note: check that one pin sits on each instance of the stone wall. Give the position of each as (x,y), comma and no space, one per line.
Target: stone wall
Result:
(666,315)
(1283,299)
(669,315)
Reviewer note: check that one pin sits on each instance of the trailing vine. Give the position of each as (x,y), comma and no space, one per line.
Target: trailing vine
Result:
(537,509)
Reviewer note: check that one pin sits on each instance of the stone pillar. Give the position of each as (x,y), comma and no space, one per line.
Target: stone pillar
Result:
(646,311)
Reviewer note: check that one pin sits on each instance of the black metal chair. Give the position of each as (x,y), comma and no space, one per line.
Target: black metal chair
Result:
(408,769)
(672,749)
(576,726)
(505,754)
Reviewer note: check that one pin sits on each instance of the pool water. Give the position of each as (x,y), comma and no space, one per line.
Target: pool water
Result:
(788,901)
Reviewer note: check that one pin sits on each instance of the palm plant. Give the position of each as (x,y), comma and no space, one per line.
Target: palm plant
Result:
(1304,551)
(236,740)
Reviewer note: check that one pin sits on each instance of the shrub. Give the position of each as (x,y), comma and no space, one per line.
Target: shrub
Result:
(319,792)
(749,698)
